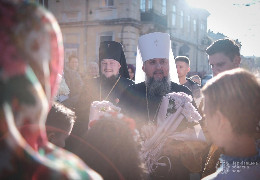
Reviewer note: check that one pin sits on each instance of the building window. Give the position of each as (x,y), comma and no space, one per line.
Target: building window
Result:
(105,38)
(44,3)
(188,23)
(142,5)
(202,27)
(194,25)
(164,7)
(184,50)
(107,3)
(150,4)
(182,19)
(173,15)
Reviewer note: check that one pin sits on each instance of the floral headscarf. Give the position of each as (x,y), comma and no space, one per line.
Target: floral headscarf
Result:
(31,57)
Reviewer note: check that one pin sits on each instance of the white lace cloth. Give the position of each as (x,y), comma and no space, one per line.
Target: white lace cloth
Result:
(100,108)
(168,122)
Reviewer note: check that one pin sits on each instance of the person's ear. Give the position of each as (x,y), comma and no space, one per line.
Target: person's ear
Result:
(189,69)
(217,122)
(223,122)
(237,61)
(119,67)
(51,136)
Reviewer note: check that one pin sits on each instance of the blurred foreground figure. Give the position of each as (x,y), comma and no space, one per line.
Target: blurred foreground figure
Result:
(31,58)
(109,147)
(59,124)
(231,108)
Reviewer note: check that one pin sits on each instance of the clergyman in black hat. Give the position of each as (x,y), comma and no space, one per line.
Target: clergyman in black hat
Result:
(114,76)
(112,82)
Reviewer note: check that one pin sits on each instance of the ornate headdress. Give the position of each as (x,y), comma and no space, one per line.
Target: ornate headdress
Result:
(154,45)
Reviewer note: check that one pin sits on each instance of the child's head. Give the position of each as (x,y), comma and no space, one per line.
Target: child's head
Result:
(232,95)
(59,124)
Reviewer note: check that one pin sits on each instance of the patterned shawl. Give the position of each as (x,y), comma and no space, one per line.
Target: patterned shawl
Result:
(31,57)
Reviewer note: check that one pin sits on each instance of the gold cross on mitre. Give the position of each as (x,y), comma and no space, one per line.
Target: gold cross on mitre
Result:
(156,42)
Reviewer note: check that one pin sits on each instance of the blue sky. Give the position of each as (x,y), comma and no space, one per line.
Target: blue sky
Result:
(237,19)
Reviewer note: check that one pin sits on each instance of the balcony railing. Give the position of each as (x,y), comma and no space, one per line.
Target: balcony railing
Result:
(153,17)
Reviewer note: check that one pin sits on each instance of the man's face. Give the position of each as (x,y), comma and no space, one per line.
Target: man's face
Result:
(110,67)
(156,68)
(182,68)
(219,62)
(73,64)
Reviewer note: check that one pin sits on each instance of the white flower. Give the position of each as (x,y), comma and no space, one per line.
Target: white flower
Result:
(105,106)
(190,113)
(183,100)
(101,108)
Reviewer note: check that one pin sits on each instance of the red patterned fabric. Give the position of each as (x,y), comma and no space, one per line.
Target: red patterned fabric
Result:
(31,57)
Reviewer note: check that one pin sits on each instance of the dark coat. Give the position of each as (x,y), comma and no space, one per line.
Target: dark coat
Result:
(194,87)
(91,92)
(133,102)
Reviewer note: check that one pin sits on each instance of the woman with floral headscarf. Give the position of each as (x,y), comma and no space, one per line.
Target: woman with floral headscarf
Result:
(31,55)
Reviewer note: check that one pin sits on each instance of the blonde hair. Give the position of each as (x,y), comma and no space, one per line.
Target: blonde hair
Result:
(236,94)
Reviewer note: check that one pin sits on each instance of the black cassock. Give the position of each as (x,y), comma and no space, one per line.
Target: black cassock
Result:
(134,104)
(93,90)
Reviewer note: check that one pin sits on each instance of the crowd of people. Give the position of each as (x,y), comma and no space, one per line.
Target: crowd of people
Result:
(120,121)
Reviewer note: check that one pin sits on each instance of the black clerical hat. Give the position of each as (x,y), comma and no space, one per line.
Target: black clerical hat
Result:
(113,50)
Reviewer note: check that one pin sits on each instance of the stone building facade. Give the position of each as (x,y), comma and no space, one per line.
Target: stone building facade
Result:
(85,23)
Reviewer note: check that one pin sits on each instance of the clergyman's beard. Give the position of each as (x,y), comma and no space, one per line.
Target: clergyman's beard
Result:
(113,78)
(157,87)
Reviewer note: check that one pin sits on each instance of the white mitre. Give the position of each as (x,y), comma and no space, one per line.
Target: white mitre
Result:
(154,45)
